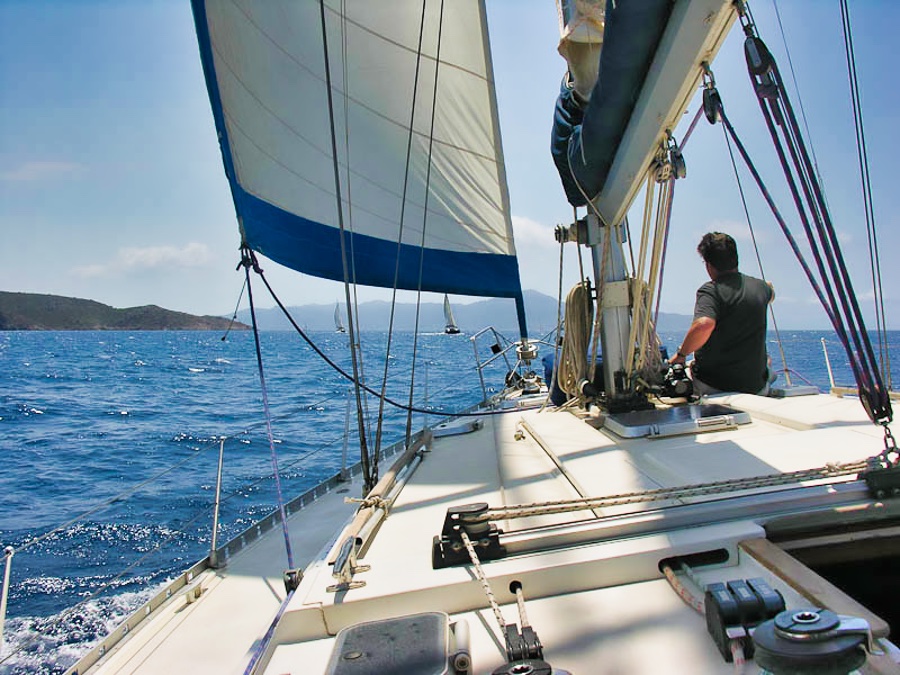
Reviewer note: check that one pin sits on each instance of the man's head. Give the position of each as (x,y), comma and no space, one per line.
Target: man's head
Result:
(719,252)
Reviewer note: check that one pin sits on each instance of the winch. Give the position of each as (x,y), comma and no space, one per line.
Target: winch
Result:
(813,642)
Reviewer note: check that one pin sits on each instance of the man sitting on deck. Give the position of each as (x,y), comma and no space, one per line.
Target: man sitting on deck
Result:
(728,334)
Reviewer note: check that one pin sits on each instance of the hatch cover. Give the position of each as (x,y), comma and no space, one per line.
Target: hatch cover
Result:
(683,419)
(413,645)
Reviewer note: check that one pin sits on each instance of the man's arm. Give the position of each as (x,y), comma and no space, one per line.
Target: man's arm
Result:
(696,337)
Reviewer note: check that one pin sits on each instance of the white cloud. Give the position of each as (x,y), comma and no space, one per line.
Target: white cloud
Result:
(529,232)
(739,230)
(134,259)
(38,171)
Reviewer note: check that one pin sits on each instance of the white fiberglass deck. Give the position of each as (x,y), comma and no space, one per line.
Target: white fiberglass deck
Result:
(594,591)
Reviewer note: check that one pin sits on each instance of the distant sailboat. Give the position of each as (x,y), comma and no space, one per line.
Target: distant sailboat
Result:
(338,322)
(451,328)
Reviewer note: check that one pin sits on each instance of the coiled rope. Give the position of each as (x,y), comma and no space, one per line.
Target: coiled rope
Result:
(573,367)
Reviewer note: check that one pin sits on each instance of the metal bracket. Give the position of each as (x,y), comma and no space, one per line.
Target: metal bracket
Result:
(524,645)
(584,231)
(882,480)
(345,566)
(616,294)
(448,548)
(292,579)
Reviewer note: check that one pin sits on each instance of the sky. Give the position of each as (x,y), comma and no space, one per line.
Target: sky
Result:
(112,188)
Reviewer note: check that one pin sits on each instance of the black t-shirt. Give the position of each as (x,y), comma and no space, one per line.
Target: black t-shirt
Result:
(734,357)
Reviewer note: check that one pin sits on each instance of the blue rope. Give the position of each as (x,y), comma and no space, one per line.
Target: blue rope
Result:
(267,638)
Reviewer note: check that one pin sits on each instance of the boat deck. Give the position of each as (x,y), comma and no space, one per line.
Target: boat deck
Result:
(594,591)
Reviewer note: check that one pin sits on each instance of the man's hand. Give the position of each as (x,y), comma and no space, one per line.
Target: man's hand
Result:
(696,337)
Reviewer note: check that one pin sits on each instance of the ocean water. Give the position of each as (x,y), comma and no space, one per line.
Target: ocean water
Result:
(109,443)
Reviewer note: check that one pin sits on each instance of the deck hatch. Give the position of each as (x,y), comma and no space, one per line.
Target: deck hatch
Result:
(415,644)
(683,419)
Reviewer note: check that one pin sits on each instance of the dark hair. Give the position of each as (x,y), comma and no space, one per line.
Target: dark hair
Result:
(719,250)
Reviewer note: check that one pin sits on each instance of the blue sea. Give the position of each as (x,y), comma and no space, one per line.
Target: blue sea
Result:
(109,443)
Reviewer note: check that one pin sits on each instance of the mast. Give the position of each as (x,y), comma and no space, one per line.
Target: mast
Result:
(656,49)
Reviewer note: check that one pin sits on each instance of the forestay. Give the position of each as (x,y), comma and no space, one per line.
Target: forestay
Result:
(265,68)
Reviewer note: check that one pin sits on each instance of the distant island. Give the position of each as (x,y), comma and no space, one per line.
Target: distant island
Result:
(33,311)
(540,309)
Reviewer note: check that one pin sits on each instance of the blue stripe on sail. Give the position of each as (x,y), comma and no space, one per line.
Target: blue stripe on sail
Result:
(313,248)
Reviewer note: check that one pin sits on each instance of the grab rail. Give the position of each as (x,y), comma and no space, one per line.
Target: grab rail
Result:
(500,352)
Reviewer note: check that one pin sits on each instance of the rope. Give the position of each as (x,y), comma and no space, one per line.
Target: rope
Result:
(683,592)
(572,369)
(263,644)
(640,340)
(662,494)
(248,262)
(482,578)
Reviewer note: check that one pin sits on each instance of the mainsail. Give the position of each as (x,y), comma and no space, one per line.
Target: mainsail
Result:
(266,67)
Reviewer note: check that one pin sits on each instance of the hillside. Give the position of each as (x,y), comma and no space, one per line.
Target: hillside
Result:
(32,311)
(497,312)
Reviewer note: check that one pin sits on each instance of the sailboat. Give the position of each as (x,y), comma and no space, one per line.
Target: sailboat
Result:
(626,531)
(450,326)
(338,320)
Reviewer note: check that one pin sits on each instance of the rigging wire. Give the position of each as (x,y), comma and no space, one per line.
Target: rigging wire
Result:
(363,444)
(437,64)
(559,319)
(787,51)
(355,333)
(108,502)
(762,273)
(866,187)
(428,164)
(65,614)
(841,305)
(234,315)
(247,261)
(362,385)
(390,337)
(238,492)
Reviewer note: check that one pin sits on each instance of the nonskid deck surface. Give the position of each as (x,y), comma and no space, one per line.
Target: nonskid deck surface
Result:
(599,605)
(582,596)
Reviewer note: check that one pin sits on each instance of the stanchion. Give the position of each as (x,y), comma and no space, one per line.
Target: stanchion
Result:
(213,555)
(8,553)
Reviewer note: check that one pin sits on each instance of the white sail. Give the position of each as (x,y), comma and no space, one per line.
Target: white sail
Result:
(338,321)
(267,81)
(450,323)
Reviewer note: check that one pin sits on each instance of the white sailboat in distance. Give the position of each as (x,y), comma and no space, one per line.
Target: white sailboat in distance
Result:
(450,327)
